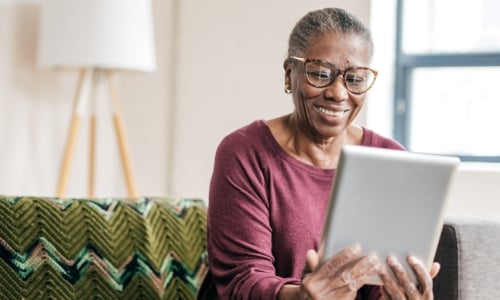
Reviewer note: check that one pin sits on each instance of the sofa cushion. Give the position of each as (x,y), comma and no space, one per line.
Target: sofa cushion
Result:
(469,254)
(144,248)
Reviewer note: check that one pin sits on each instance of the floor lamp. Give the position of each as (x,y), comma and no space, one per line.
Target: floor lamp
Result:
(97,37)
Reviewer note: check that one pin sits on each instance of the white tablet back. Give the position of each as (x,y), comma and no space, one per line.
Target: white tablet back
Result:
(389,202)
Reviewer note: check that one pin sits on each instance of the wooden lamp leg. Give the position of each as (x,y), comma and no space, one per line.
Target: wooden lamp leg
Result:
(93,132)
(70,143)
(91,182)
(120,133)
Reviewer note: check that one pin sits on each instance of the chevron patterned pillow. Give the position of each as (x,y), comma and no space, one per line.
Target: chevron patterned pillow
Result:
(144,248)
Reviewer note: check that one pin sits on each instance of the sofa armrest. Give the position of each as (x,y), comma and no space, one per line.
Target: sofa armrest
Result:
(469,253)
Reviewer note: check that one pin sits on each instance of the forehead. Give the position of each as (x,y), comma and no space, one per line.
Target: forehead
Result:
(340,49)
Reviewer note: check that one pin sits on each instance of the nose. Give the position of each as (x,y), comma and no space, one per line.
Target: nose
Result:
(336,91)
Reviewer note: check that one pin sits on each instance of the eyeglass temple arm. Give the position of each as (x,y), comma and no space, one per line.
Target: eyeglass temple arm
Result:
(297,58)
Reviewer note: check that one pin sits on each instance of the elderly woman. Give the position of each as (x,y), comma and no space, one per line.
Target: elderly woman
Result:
(272,179)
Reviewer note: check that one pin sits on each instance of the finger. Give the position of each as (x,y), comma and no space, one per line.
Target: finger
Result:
(385,295)
(363,267)
(397,268)
(409,287)
(360,272)
(343,257)
(355,274)
(320,277)
(312,261)
(423,276)
(435,268)
(391,286)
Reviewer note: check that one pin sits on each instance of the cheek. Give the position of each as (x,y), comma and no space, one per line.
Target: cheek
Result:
(303,98)
(358,101)
(357,104)
(302,88)
(306,92)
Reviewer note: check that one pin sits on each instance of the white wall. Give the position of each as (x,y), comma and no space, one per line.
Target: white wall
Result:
(476,191)
(35,108)
(219,67)
(230,72)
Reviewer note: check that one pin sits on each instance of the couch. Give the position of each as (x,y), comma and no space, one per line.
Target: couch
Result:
(469,253)
(143,248)
(155,248)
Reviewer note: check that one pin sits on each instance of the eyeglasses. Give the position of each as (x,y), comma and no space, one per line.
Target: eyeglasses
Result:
(357,80)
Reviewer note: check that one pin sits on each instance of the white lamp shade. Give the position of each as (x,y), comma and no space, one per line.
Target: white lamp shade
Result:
(109,34)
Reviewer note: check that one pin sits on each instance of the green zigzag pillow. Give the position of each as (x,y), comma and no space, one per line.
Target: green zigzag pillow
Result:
(144,248)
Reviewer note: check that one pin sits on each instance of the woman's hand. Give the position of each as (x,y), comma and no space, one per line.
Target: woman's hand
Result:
(397,284)
(340,277)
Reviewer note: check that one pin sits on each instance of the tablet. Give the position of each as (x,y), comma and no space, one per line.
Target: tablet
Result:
(391,202)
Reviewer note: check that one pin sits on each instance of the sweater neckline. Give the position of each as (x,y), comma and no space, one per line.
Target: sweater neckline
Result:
(277,149)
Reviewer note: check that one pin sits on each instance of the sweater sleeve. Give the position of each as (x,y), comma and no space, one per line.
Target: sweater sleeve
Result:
(373,139)
(239,230)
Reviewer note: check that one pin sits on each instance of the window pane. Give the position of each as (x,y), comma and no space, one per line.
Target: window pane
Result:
(444,26)
(455,111)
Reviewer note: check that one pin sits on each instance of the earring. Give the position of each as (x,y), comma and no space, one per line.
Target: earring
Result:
(288,89)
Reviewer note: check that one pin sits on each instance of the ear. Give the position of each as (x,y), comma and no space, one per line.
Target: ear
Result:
(288,70)
(287,65)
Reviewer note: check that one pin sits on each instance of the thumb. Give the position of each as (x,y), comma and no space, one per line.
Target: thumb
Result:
(435,269)
(312,261)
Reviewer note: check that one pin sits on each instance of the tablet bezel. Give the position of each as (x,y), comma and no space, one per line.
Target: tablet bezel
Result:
(379,193)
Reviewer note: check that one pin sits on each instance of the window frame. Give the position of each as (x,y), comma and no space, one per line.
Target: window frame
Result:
(406,63)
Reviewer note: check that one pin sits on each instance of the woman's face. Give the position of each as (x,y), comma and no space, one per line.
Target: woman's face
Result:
(326,112)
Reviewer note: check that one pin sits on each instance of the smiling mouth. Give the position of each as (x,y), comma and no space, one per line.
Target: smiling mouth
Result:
(332,113)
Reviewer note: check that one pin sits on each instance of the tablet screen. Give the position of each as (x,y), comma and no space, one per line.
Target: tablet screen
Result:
(391,202)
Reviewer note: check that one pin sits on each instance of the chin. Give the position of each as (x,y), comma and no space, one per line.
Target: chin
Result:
(332,132)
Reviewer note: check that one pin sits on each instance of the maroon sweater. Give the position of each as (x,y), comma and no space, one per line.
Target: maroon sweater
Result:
(266,209)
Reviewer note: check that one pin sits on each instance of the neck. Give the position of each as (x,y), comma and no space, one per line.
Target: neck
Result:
(311,149)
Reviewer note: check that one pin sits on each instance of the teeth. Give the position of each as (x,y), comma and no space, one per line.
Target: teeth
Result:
(332,113)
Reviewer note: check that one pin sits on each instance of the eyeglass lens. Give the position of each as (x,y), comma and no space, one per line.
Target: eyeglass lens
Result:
(356,80)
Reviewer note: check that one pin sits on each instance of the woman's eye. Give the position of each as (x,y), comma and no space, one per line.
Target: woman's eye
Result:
(354,79)
(321,75)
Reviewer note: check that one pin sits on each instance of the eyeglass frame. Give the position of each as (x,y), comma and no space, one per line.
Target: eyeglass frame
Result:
(339,72)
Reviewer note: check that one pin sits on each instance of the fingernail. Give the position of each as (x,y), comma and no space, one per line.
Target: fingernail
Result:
(373,257)
(356,247)
(391,260)
(412,260)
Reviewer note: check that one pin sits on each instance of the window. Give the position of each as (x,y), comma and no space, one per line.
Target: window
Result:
(447,79)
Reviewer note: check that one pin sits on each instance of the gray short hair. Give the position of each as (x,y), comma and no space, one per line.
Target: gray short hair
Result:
(323,21)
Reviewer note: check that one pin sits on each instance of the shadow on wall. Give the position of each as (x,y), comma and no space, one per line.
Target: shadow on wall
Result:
(24,46)
(29,103)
